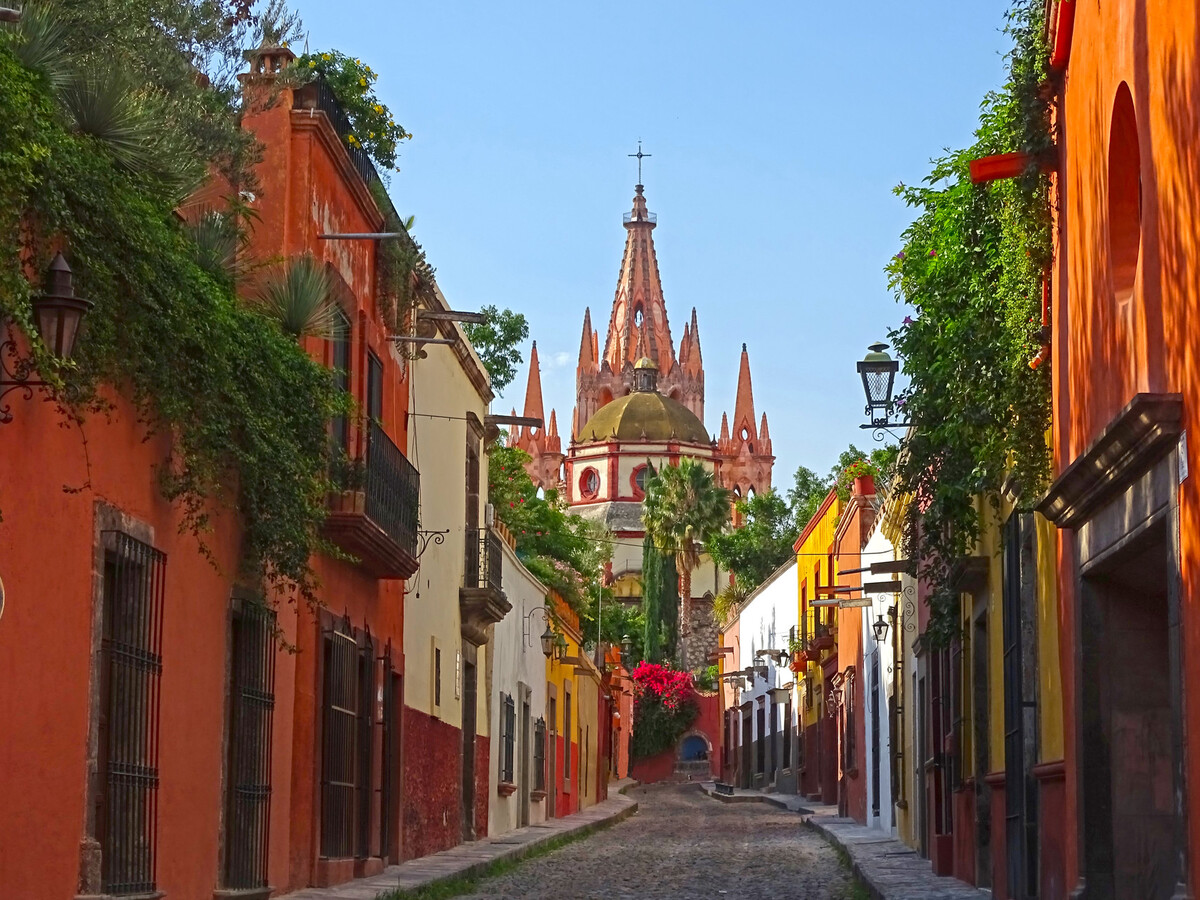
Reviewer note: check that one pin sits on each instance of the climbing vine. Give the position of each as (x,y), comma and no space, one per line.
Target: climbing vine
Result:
(972,267)
(373,127)
(244,407)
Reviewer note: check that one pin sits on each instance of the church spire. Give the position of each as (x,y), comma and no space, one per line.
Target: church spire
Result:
(638,306)
(587,344)
(533,389)
(746,448)
(743,407)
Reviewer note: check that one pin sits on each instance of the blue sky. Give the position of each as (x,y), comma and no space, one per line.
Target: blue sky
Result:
(777,129)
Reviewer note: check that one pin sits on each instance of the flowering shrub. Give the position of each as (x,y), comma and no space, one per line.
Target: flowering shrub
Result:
(374,128)
(664,707)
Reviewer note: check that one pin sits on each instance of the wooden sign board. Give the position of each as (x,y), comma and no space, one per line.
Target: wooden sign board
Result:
(860,602)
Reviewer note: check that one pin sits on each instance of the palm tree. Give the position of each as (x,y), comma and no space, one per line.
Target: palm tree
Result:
(684,507)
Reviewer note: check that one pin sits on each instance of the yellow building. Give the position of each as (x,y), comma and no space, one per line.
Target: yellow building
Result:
(573,685)
(818,634)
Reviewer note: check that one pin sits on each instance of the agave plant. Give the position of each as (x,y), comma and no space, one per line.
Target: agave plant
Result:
(299,296)
(216,240)
(38,39)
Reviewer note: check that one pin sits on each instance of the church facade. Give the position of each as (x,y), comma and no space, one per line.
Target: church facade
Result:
(639,405)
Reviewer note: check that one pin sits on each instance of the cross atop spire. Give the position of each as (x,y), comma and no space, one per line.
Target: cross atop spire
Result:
(640,156)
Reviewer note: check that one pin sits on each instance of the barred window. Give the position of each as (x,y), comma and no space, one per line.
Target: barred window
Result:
(131,644)
(539,755)
(252,696)
(346,760)
(508,737)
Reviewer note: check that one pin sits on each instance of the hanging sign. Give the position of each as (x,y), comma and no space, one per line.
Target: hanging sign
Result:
(1183,460)
(858,602)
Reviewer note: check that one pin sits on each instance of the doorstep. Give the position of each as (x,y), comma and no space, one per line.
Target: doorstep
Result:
(889,868)
(791,802)
(475,857)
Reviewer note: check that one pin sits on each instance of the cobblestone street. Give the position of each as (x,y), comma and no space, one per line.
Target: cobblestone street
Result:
(683,845)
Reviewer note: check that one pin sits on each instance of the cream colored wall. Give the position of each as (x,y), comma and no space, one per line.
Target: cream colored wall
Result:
(437,447)
(1050,707)
(587,457)
(586,701)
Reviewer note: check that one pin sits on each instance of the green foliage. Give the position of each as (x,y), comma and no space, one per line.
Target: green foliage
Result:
(854,463)
(373,128)
(298,296)
(684,508)
(564,551)
(761,544)
(807,495)
(660,604)
(617,620)
(972,267)
(707,678)
(729,598)
(497,341)
(406,279)
(245,409)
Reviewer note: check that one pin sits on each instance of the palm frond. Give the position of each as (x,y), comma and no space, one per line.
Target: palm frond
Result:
(38,40)
(134,128)
(216,241)
(299,296)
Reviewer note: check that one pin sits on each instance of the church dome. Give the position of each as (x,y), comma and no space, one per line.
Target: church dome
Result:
(644,416)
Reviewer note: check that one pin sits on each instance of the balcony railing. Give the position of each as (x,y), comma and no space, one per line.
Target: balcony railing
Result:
(373,514)
(393,489)
(484,560)
(317,94)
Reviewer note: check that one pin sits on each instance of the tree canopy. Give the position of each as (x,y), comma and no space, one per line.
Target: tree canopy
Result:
(497,341)
(762,543)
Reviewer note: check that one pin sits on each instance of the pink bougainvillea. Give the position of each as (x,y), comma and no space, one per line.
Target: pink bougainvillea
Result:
(672,687)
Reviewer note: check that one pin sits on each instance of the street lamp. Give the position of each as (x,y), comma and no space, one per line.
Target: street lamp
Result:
(548,641)
(626,649)
(880,628)
(57,313)
(878,372)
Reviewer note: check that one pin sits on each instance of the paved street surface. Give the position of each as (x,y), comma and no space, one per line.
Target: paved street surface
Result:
(683,845)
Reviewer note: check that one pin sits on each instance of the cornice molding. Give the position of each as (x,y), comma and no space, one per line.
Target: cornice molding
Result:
(1137,437)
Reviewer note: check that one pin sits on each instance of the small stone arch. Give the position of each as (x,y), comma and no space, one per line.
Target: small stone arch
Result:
(693,742)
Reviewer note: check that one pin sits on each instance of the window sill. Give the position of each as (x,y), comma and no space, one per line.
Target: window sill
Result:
(537,795)
(506,788)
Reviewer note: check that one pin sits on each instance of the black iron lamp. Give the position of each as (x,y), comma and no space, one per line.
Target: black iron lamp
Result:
(548,641)
(878,372)
(57,313)
(880,628)
(626,649)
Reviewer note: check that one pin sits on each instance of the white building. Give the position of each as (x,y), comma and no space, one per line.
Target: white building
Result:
(879,678)
(518,694)
(767,745)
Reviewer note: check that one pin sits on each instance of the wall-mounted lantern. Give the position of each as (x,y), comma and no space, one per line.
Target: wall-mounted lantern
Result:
(57,313)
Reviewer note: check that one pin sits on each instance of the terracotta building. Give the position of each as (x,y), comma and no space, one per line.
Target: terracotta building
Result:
(1126,354)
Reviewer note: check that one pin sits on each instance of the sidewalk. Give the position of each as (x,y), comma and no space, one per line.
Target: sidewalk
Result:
(889,868)
(474,858)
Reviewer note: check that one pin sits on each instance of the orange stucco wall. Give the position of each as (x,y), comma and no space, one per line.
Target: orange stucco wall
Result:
(1106,347)
(47,541)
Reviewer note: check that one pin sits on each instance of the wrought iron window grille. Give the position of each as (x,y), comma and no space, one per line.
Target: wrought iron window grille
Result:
(131,672)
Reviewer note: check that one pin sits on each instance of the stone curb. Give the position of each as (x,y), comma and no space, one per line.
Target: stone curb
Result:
(890,869)
(754,797)
(475,859)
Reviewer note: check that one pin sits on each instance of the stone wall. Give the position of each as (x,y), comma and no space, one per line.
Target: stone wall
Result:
(703,637)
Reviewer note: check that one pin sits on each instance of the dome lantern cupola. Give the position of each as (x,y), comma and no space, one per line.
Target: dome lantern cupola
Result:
(645,376)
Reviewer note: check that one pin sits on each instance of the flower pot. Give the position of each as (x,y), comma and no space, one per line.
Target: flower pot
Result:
(864,485)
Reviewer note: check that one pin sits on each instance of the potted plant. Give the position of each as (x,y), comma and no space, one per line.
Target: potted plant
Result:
(862,474)
(799,654)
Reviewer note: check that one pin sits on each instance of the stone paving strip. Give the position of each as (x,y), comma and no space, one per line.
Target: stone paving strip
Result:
(890,869)
(471,859)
